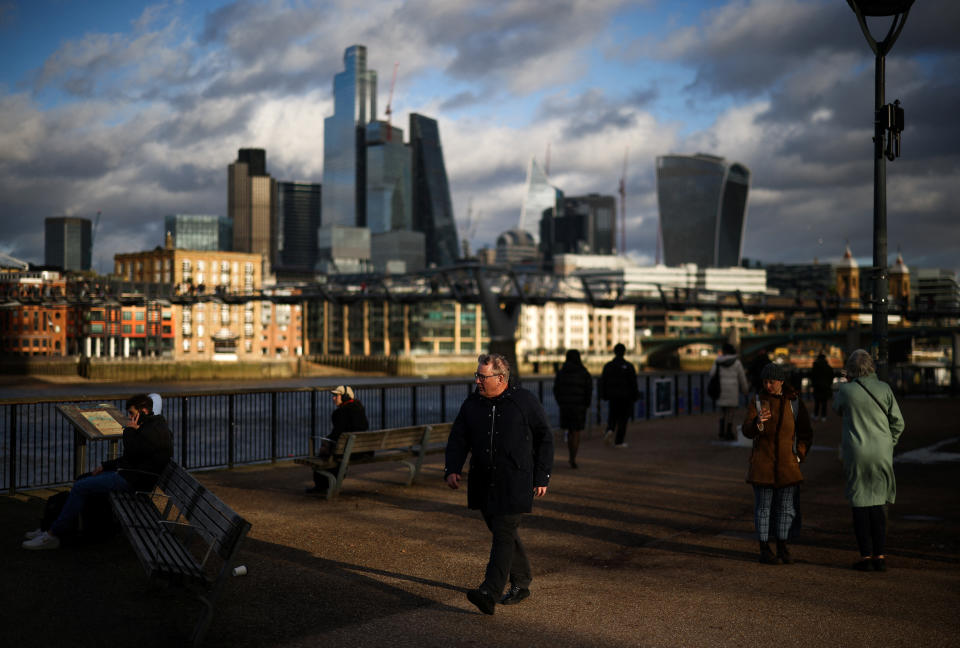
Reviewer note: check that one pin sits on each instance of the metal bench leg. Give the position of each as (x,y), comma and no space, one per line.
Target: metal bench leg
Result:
(204,623)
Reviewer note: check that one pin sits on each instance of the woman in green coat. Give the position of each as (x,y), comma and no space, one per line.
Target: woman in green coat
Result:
(872,425)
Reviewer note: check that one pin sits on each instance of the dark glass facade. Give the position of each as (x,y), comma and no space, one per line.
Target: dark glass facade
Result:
(67,242)
(584,225)
(200,232)
(432,206)
(703,207)
(298,218)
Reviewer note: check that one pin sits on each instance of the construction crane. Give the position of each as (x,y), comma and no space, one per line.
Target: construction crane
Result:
(389,109)
(623,204)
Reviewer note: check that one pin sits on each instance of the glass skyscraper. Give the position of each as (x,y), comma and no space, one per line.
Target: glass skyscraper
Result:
(199,231)
(388,179)
(67,242)
(538,197)
(344,141)
(298,216)
(432,207)
(584,225)
(703,209)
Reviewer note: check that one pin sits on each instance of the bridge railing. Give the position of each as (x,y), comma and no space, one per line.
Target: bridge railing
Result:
(225,429)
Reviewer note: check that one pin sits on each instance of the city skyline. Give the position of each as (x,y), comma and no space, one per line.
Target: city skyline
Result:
(135,109)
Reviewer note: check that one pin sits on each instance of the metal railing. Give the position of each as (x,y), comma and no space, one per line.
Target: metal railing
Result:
(225,429)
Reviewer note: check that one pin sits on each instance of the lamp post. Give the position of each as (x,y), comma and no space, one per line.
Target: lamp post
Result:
(888,123)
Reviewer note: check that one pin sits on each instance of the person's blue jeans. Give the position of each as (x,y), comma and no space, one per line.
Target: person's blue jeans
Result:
(105,482)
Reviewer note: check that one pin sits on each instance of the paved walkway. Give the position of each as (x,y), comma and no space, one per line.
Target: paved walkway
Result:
(647,546)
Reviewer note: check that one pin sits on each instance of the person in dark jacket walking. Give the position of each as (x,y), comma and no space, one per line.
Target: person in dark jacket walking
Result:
(779,425)
(147,448)
(348,416)
(573,389)
(505,431)
(821,377)
(618,384)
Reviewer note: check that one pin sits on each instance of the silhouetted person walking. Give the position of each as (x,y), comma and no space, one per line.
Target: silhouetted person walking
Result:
(573,389)
(618,385)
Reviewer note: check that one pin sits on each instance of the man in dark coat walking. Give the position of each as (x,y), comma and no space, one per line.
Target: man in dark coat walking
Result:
(505,431)
(618,384)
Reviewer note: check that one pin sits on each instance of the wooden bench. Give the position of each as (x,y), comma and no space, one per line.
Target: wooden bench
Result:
(176,530)
(407,445)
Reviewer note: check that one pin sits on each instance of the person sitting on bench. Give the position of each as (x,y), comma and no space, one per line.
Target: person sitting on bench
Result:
(147,447)
(348,416)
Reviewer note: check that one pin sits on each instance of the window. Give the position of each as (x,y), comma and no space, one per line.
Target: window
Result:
(96,328)
(139,316)
(186,346)
(139,328)
(127,315)
(126,328)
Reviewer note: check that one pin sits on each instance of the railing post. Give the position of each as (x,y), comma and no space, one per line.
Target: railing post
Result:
(231,430)
(540,389)
(413,403)
(443,402)
(646,398)
(184,424)
(13,449)
(676,394)
(383,408)
(689,393)
(273,427)
(312,439)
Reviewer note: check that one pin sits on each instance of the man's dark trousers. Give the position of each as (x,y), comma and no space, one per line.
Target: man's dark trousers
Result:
(508,560)
(620,411)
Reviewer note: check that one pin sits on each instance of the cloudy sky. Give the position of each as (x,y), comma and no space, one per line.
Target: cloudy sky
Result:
(136,109)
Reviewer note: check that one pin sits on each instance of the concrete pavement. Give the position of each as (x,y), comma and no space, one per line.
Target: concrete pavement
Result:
(646,546)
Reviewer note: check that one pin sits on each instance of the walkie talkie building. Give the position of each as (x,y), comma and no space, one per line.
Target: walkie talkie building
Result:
(703,209)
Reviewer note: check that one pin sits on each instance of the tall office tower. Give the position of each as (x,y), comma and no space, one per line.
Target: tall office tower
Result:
(251,204)
(703,209)
(432,207)
(388,179)
(199,231)
(298,215)
(344,141)
(538,197)
(67,242)
(584,225)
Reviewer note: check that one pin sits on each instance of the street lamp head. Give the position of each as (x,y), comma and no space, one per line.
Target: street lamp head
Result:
(880,7)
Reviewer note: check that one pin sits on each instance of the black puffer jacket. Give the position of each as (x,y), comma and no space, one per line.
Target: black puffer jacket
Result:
(348,417)
(146,451)
(573,389)
(510,446)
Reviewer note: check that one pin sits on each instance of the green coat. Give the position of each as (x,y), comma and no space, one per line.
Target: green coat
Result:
(869,434)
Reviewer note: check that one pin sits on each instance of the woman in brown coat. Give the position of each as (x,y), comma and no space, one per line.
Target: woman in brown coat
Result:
(779,424)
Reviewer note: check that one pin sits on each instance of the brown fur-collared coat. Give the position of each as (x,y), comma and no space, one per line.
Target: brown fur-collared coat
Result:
(772,462)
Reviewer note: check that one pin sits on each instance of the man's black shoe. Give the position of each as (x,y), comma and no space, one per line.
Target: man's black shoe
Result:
(316,490)
(514,595)
(483,599)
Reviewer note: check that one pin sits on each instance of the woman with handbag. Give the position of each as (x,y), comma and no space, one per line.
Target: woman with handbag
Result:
(872,425)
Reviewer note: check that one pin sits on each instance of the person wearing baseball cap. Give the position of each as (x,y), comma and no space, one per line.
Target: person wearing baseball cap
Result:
(348,416)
